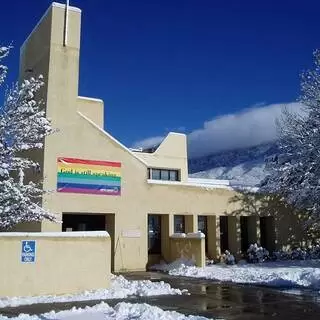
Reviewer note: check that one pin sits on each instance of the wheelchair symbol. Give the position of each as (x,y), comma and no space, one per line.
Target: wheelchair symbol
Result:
(27,248)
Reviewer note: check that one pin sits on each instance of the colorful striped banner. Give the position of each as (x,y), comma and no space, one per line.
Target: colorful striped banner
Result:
(89,176)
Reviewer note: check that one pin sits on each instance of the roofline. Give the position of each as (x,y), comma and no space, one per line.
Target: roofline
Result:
(53,4)
(158,145)
(190,184)
(205,186)
(63,5)
(90,99)
(112,138)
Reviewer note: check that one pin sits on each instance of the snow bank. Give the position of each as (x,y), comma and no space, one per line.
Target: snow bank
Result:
(285,274)
(195,235)
(120,288)
(173,265)
(103,311)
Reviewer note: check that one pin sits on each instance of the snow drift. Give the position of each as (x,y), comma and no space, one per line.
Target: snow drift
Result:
(284,274)
(103,311)
(120,288)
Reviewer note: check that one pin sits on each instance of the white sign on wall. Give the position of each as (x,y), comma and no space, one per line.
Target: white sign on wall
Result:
(134,233)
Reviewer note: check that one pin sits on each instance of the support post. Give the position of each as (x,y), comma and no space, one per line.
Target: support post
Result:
(213,238)
(234,235)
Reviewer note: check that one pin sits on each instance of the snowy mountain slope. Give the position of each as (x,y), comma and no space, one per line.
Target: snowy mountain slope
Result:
(241,166)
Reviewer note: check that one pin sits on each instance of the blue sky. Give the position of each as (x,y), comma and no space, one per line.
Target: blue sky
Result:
(183,65)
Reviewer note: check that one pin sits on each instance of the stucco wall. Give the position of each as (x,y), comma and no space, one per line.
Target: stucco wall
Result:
(171,154)
(64,263)
(188,246)
(92,108)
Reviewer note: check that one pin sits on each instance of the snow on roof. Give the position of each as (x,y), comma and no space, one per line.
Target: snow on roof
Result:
(90,99)
(191,184)
(63,6)
(208,184)
(194,235)
(209,181)
(72,234)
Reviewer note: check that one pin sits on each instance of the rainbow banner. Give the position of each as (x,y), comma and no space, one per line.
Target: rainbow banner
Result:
(89,176)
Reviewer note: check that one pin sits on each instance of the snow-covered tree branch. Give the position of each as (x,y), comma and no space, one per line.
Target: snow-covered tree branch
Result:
(295,172)
(4,51)
(23,127)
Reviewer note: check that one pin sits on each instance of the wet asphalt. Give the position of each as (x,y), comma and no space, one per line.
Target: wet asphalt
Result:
(207,298)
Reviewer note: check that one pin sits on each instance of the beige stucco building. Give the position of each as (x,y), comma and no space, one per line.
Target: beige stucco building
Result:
(140,197)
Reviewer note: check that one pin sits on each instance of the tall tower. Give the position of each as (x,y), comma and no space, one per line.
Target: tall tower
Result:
(47,52)
(52,50)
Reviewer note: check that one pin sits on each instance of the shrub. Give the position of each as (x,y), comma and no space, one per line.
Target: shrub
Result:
(256,254)
(312,252)
(228,258)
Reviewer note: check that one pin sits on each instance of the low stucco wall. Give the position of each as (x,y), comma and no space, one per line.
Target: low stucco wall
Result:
(64,262)
(189,246)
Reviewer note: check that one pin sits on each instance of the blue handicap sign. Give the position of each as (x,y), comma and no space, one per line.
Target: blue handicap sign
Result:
(28,251)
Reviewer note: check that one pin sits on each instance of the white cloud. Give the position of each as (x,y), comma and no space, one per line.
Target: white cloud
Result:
(247,128)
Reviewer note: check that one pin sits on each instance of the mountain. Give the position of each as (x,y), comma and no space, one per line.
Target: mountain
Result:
(242,166)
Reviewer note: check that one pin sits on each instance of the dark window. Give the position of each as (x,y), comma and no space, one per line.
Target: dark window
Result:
(154,230)
(179,226)
(163,174)
(202,224)
(203,227)
(173,175)
(83,222)
(155,174)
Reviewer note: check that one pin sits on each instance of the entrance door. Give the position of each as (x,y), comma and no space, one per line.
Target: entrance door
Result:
(83,222)
(203,227)
(91,222)
(154,234)
(267,233)
(224,240)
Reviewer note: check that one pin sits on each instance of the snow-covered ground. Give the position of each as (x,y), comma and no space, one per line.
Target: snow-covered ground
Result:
(284,274)
(102,311)
(120,288)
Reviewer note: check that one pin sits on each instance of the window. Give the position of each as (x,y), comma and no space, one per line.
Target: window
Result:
(203,227)
(202,224)
(173,175)
(179,225)
(156,174)
(163,174)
